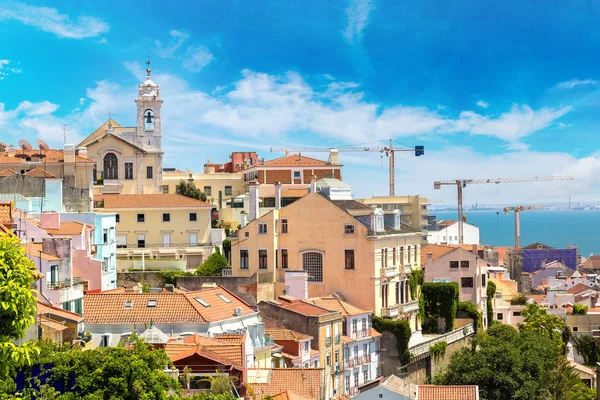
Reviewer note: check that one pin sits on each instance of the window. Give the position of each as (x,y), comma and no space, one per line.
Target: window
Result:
(397,292)
(354,326)
(141,218)
(364,324)
(356,379)
(349,259)
(141,241)
(306,347)
(336,357)
(149,172)
(78,306)
(262,259)
(193,239)
(243,259)
(165,189)
(305,365)
(328,362)
(394,256)
(483,277)
(296,174)
(284,226)
(453,264)
(166,217)
(121,241)
(193,217)
(111,166)
(284,258)
(202,302)
(316,364)
(128,170)
(224,298)
(117,218)
(365,375)
(166,240)
(54,275)
(415,254)
(228,191)
(262,229)
(384,295)
(575,329)
(105,341)
(347,383)
(401,255)
(105,236)
(128,304)
(464,264)
(208,190)
(66,306)
(312,263)
(466,282)
(516,313)
(349,229)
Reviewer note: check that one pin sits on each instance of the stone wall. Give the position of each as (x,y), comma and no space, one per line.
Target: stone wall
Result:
(248,289)
(26,186)
(129,279)
(76,199)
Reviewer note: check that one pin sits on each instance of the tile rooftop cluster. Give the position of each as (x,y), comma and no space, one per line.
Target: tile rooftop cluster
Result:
(305,382)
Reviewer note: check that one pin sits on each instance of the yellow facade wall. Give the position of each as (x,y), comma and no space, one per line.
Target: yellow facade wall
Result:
(217,183)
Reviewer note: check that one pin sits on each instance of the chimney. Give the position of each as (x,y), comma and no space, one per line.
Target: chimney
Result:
(334,156)
(69,153)
(82,152)
(429,258)
(50,220)
(313,183)
(277,195)
(254,211)
(11,151)
(475,249)
(244,219)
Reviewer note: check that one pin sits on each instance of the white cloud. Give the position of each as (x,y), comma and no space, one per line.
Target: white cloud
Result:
(483,104)
(358,16)
(168,51)
(196,58)
(36,109)
(570,84)
(50,20)
(5,70)
(81,101)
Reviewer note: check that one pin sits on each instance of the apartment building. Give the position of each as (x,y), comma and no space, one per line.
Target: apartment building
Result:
(413,209)
(446,232)
(323,325)
(293,169)
(162,226)
(340,243)
(455,264)
(297,350)
(360,356)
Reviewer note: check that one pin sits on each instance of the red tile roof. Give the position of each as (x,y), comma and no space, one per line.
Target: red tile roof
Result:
(430,392)
(334,303)
(300,306)
(437,251)
(286,335)
(67,228)
(7,172)
(580,287)
(288,396)
(148,201)
(51,156)
(207,353)
(58,313)
(306,382)
(39,173)
(296,160)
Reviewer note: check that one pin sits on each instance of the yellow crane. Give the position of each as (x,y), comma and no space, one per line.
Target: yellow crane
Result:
(462,183)
(388,150)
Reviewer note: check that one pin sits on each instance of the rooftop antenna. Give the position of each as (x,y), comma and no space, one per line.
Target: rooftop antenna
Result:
(65,133)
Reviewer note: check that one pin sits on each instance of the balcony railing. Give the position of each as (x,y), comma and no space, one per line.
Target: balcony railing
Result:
(328,341)
(338,338)
(161,245)
(71,293)
(389,311)
(361,334)
(357,361)
(411,306)
(63,284)
(226,272)
(449,338)
(351,390)
(388,272)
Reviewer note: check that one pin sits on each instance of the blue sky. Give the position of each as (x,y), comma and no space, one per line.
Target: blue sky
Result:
(490,89)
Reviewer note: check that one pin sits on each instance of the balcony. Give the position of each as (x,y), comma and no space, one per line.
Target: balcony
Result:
(226,272)
(351,390)
(338,338)
(363,333)
(407,269)
(388,272)
(389,311)
(411,306)
(71,293)
(328,341)
(357,361)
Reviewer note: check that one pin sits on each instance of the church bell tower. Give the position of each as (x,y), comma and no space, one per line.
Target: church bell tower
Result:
(149,133)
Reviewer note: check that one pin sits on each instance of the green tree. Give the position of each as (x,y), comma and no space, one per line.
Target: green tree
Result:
(538,320)
(213,265)
(580,309)
(17,305)
(587,346)
(491,294)
(188,189)
(220,384)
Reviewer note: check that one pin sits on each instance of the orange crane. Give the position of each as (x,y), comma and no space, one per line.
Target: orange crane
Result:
(388,150)
(462,183)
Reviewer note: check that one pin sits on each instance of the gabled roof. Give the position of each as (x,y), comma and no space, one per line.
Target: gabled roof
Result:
(112,135)
(306,382)
(436,250)
(579,288)
(229,346)
(534,246)
(296,160)
(116,201)
(299,306)
(98,133)
(592,262)
(430,392)
(334,303)
(153,335)
(40,173)
(67,228)
(205,352)
(288,396)
(7,172)
(286,335)
(35,249)
(58,313)
(162,308)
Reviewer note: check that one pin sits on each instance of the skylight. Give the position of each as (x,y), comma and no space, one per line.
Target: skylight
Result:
(222,297)
(199,300)
(152,303)
(128,303)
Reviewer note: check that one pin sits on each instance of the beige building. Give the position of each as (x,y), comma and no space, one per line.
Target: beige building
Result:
(413,209)
(340,244)
(129,159)
(162,226)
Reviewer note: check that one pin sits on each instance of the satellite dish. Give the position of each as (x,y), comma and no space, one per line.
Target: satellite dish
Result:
(42,145)
(24,144)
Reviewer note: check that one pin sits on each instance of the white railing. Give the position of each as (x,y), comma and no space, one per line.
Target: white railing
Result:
(226,272)
(389,311)
(71,293)
(388,272)
(449,337)
(411,306)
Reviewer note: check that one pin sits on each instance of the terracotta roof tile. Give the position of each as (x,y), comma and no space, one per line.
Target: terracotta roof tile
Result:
(296,160)
(288,396)
(171,308)
(51,156)
(299,306)
(334,303)
(148,201)
(67,228)
(6,213)
(50,323)
(58,313)
(436,250)
(305,382)
(7,172)
(205,352)
(430,392)
(226,350)
(580,287)
(286,335)
(39,173)
(294,193)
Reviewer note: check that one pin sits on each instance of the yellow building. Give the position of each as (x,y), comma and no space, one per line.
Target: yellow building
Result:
(344,246)
(217,186)
(129,159)
(413,209)
(162,226)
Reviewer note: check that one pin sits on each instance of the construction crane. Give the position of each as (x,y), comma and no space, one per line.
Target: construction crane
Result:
(388,150)
(517,210)
(462,183)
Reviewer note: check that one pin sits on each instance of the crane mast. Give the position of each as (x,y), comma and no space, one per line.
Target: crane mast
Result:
(388,150)
(462,183)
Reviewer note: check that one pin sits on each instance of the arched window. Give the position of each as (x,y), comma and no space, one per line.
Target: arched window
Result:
(149,120)
(312,263)
(111,166)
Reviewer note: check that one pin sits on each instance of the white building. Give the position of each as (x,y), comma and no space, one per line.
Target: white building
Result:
(447,233)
